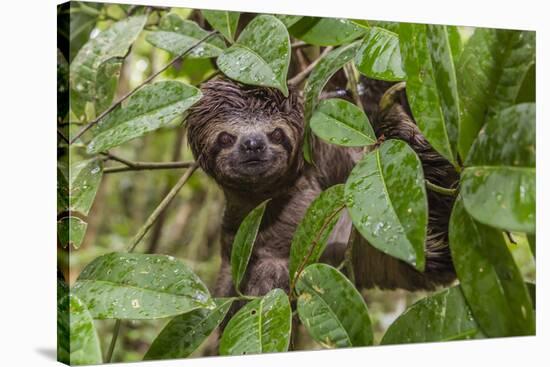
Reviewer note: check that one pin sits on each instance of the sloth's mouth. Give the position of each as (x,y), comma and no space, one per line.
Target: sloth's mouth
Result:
(253,161)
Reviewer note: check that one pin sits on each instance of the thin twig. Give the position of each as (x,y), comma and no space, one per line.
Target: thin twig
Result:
(111,349)
(441,190)
(313,246)
(390,95)
(160,208)
(299,44)
(144,166)
(348,255)
(351,75)
(62,136)
(114,157)
(146,81)
(298,78)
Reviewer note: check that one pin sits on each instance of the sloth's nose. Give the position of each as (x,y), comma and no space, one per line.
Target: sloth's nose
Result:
(253,144)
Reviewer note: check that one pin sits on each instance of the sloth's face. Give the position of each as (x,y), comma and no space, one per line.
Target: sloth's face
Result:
(253,154)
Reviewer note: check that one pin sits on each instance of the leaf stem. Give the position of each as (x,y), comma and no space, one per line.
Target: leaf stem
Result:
(146,81)
(390,95)
(161,207)
(351,75)
(441,190)
(111,349)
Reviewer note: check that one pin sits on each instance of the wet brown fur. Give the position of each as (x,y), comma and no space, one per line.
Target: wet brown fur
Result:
(226,102)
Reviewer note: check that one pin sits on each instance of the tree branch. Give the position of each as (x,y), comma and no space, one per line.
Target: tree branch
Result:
(441,190)
(160,208)
(143,166)
(146,81)
(298,78)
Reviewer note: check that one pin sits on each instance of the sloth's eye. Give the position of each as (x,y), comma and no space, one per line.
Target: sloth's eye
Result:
(225,140)
(277,136)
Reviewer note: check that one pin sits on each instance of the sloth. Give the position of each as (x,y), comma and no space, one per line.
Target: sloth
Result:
(249,140)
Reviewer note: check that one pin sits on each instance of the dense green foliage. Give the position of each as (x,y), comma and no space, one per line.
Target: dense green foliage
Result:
(472,98)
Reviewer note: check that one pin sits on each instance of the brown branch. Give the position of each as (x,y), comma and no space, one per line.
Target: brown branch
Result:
(62,136)
(313,246)
(160,208)
(146,81)
(298,78)
(144,166)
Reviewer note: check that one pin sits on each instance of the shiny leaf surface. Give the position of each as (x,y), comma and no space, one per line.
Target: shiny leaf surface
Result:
(71,231)
(84,180)
(97,62)
(261,326)
(260,56)
(499,184)
(342,123)
(320,75)
(386,199)
(150,108)
(325,31)
(185,333)
(224,21)
(84,341)
(440,317)
(489,277)
(288,20)
(244,242)
(140,286)
(315,228)
(331,309)
(176,35)
(490,73)
(379,56)
(431,84)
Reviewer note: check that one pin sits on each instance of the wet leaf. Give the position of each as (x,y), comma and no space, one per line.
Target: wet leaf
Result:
(140,286)
(63,323)
(320,75)
(84,341)
(288,20)
(386,199)
(244,242)
(379,56)
(85,177)
(261,326)
(489,278)
(440,317)
(71,231)
(315,228)
(527,91)
(88,70)
(150,108)
(177,35)
(431,84)
(224,21)
(331,308)
(62,86)
(498,184)
(490,73)
(325,31)
(532,239)
(342,123)
(185,333)
(260,56)
(63,186)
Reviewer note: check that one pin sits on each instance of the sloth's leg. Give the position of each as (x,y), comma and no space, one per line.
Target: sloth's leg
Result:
(266,274)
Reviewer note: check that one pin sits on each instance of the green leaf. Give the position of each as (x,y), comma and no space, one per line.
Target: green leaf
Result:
(532,239)
(527,91)
(88,71)
(491,71)
(342,123)
(63,188)
(84,180)
(62,86)
(386,199)
(288,20)
(315,228)
(243,243)
(84,342)
(261,326)
(185,333)
(489,278)
(455,42)
(177,35)
(260,56)
(224,21)
(150,108)
(71,231)
(81,24)
(332,309)
(499,182)
(320,75)
(325,31)
(431,84)
(63,323)
(140,286)
(379,56)
(440,317)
